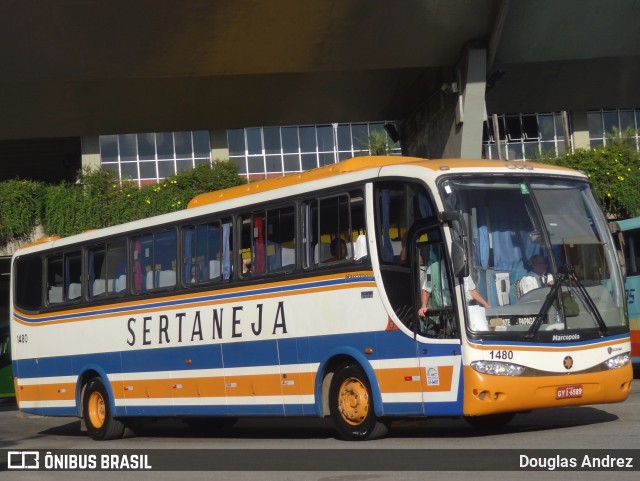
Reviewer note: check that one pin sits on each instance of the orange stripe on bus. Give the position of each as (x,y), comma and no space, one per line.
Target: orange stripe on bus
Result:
(46,392)
(444,380)
(397,380)
(539,348)
(258,385)
(400,380)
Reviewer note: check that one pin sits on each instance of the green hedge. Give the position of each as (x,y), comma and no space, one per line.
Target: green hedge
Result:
(98,199)
(21,205)
(614,172)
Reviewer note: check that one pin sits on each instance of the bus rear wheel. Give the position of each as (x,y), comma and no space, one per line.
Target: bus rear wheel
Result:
(96,412)
(351,405)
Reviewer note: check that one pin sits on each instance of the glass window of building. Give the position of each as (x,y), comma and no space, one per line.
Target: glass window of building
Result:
(524,136)
(271,151)
(150,157)
(259,152)
(606,124)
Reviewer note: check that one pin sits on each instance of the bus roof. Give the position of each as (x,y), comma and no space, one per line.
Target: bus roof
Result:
(353,165)
(628,224)
(349,165)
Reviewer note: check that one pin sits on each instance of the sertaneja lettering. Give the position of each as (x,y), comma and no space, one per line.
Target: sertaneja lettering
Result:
(201,326)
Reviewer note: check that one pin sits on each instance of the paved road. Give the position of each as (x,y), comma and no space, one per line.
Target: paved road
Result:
(604,427)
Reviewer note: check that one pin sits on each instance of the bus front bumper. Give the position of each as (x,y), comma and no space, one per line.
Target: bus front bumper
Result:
(489,394)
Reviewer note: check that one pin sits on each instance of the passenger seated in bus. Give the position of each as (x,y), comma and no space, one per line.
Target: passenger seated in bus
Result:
(195,273)
(360,247)
(246,266)
(536,277)
(403,251)
(338,249)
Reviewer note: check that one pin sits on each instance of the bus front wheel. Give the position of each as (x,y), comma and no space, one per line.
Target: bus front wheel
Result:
(96,412)
(351,405)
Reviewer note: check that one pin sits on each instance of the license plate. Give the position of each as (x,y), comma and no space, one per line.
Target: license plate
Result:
(566,392)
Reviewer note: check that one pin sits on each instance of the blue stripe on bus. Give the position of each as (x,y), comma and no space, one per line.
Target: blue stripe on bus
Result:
(197,299)
(544,345)
(390,409)
(403,409)
(386,345)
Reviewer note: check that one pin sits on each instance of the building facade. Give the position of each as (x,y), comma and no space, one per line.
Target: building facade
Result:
(262,152)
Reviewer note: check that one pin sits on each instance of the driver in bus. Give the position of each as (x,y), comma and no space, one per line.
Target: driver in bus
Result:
(470,291)
(537,276)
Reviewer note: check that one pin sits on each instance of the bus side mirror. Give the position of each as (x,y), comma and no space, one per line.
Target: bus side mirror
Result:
(459,259)
(459,247)
(618,237)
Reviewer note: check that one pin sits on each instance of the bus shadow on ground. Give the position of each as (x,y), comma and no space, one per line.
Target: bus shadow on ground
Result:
(539,420)
(313,428)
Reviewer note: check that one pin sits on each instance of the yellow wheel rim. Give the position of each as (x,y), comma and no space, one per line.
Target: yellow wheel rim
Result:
(97,410)
(353,401)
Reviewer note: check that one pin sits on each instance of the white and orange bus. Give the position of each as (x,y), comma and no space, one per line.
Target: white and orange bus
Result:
(301,296)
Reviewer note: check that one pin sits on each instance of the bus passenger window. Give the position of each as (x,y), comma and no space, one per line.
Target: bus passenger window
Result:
(73,276)
(246,249)
(28,282)
(54,280)
(165,248)
(332,226)
(632,245)
(154,260)
(64,273)
(268,241)
(399,206)
(280,239)
(202,253)
(227,242)
(107,269)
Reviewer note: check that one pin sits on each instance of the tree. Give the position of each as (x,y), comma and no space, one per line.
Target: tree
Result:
(21,204)
(99,199)
(378,143)
(614,173)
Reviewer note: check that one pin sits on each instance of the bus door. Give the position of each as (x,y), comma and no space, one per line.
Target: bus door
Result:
(436,328)
(252,370)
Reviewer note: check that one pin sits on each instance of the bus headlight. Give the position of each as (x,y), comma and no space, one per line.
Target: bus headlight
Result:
(618,361)
(498,368)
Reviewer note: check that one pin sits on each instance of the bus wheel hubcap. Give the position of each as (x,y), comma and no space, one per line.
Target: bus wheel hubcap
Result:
(353,401)
(97,409)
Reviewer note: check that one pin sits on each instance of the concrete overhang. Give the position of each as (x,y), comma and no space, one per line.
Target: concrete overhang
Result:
(86,67)
(564,55)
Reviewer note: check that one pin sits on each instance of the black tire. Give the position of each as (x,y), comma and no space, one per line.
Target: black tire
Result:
(490,421)
(96,412)
(351,405)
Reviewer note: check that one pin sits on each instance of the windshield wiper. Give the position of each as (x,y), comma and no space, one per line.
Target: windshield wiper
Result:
(566,274)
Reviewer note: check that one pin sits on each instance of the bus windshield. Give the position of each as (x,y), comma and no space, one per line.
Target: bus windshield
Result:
(541,256)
